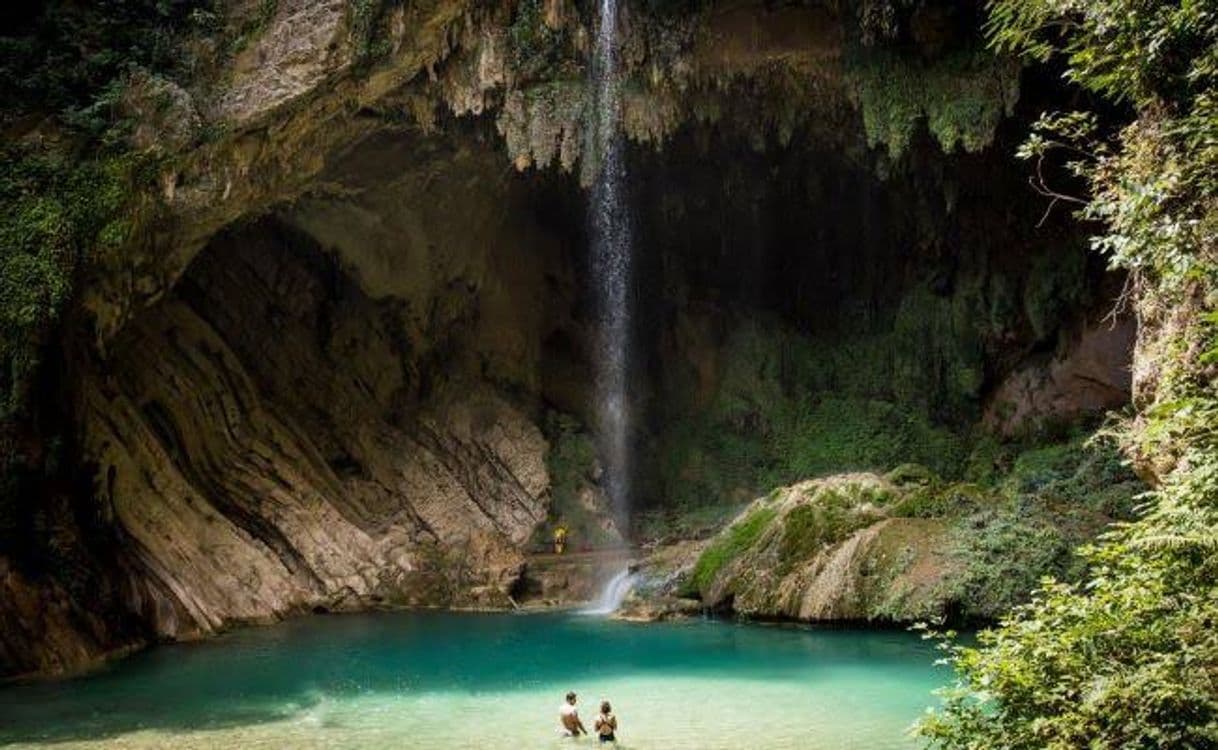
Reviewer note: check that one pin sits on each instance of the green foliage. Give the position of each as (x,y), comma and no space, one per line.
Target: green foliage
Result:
(64,67)
(1004,535)
(961,97)
(1024,521)
(1125,659)
(1154,185)
(536,49)
(936,350)
(848,434)
(58,210)
(70,188)
(906,385)
(727,546)
(1131,50)
(936,500)
(1004,551)
(788,408)
(909,474)
(371,42)
(70,59)
(708,459)
(828,519)
(571,463)
(1056,284)
(1083,472)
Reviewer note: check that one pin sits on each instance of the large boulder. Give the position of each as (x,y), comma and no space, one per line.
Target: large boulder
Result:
(828,549)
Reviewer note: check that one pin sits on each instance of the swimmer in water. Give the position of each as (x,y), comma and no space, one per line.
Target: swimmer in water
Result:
(569,717)
(606,723)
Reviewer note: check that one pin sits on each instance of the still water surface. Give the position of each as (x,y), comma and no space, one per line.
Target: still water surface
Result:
(440,680)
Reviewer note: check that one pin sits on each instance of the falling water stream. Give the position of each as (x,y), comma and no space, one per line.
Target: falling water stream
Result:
(613,594)
(612,263)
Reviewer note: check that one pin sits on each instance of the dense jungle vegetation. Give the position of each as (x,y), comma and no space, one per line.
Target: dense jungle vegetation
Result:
(1127,658)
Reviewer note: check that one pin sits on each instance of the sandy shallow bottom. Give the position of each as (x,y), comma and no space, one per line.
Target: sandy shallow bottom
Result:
(486,681)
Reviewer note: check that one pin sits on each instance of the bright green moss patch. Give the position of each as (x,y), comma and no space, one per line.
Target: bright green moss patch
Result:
(961,97)
(730,544)
(825,521)
(937,500)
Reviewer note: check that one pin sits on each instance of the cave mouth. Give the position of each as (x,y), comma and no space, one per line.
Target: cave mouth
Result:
(794,279)
(380,393)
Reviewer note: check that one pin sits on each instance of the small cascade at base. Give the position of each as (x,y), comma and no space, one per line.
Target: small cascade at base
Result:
(613,594)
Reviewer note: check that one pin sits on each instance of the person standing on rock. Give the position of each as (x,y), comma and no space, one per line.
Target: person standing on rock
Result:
(572,726)
(560,539)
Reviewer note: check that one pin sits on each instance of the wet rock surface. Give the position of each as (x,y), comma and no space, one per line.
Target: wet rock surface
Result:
(572,579)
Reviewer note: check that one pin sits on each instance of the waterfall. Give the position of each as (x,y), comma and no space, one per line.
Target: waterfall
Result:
(610,235)
(613,594)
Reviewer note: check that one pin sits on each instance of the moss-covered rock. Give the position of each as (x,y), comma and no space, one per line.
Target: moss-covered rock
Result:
(961,98)
(824,550)
(910,545)
(735,540)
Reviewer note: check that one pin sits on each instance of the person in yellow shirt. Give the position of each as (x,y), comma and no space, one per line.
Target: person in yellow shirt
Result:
(560,539)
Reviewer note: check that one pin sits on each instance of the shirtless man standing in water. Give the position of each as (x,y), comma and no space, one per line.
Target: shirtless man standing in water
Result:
(570,717)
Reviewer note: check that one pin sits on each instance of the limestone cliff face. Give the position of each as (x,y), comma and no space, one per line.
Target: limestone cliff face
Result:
(45,629)
(336,407)
(1091,374)
(266,448)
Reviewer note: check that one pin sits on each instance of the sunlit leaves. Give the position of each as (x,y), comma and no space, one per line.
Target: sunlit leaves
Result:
(1128,659)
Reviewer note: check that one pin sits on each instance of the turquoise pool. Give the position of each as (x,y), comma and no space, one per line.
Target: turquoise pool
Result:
(443,680)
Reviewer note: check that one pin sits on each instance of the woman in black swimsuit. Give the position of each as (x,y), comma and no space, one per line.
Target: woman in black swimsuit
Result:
(606,723)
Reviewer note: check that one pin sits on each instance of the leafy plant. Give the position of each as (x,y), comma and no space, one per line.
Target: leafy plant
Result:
(59,211)
(536,48)
(1125,659)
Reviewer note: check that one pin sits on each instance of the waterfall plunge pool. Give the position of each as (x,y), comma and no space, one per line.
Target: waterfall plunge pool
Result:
(429,680)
